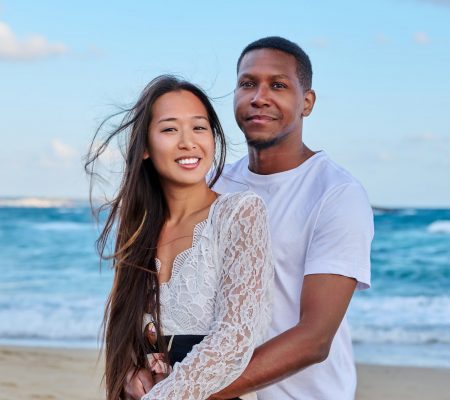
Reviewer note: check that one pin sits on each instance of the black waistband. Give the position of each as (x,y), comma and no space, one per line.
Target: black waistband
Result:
(181,345)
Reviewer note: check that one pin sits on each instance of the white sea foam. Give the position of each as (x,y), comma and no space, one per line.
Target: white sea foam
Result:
(401,320)
(62,226)
(36,202)
(52,322)
(407,211)
(400,335)
(440,226)
(415,355)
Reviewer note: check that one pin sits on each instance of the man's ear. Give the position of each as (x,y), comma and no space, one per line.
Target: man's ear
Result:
(309,100)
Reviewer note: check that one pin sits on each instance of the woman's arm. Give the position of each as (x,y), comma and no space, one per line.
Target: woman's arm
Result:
(241,308)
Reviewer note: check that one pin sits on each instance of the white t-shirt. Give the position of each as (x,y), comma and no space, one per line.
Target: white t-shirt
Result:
(320,222)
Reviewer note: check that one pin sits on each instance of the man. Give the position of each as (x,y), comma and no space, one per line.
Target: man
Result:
(321,226)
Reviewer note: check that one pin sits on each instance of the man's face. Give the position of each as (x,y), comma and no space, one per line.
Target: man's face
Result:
(268,100)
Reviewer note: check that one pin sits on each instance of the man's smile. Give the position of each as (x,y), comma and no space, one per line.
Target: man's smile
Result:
(260,118)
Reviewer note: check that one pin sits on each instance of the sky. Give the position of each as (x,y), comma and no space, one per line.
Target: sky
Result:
(381,76)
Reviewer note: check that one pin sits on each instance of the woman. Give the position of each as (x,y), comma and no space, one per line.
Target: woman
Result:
(192,263)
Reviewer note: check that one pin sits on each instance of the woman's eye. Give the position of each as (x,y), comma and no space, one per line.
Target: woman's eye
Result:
(168,130)
(200,128)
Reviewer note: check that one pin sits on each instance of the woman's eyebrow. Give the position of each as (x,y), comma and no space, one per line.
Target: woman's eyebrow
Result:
(167,119)
(172,119)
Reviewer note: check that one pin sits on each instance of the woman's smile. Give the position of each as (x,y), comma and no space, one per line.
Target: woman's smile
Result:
(188,162)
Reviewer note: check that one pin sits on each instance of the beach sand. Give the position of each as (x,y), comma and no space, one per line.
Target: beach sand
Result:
(54,374)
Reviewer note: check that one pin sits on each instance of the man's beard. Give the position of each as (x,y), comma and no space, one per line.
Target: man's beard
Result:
(263,144)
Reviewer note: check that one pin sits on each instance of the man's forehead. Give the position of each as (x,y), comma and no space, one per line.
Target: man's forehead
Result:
(268,60)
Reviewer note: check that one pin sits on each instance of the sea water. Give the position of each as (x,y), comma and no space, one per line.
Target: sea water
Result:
(52,292)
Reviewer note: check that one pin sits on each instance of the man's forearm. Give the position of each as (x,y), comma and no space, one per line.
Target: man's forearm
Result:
(324,300)
(277,359)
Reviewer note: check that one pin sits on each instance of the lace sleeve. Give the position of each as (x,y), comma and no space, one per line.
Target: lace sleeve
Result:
(242,307)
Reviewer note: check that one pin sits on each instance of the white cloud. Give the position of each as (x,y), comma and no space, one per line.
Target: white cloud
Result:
(59,154)
(421,38)
(384,156)
(30,48)
(438,2)
(110,154)
(95,51)
(382,39)
(429,137)
(320,42)
(62,151)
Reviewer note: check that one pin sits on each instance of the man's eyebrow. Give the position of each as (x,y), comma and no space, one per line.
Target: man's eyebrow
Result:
(281,76)
(276,76)
(172,119)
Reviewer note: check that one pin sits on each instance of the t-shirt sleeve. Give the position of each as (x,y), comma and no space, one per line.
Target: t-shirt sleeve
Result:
(242,308)
(342,235)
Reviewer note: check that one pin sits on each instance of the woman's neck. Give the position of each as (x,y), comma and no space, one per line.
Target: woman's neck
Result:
(183,202)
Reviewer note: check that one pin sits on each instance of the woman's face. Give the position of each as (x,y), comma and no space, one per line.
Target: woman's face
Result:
(180,139)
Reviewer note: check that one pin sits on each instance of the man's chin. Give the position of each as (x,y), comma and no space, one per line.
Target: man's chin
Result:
(262,144)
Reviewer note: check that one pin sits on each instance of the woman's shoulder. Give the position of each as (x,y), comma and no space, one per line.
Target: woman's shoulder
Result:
(237,205)
(236,200)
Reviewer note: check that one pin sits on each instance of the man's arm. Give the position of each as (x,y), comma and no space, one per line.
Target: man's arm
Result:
(324,301)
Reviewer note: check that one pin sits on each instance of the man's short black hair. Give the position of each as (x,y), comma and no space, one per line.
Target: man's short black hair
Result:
(304,69)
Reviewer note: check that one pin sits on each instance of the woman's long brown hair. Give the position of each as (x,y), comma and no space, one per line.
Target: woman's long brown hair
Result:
(135,217)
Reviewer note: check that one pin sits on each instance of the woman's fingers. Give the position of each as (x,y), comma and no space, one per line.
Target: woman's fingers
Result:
(138,385)
(145,376)
(159,377)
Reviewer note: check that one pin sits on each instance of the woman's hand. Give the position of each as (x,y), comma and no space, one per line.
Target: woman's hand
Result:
(136,385)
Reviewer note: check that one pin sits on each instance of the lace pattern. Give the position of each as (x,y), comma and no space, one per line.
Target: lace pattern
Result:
(220,287)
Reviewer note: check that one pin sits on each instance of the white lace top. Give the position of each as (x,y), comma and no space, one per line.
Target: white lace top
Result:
(221,288)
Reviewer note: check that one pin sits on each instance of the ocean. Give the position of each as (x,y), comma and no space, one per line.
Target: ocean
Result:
(52,292)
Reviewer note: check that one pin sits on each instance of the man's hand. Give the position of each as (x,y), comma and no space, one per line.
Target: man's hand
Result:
(137,385)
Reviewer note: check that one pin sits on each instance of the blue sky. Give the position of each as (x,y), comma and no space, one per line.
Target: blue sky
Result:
(381,74)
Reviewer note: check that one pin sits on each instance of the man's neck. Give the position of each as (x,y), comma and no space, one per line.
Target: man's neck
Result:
(279,158)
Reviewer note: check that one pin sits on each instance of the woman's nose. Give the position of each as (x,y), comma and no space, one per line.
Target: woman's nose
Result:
(187,140)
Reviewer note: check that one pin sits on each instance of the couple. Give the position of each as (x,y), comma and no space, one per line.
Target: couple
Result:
(198,283)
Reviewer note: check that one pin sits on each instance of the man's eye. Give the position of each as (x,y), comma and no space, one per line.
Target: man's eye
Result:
(279,85)
(246,84)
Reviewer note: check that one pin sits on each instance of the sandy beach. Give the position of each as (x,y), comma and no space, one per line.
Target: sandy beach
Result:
(54,374)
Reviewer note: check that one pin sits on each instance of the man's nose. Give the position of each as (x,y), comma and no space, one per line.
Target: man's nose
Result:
(261,97)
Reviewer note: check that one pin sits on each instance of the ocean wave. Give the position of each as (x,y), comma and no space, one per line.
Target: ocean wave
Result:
(401,320)
(37,202)
(58,322)
(394,211)
(407,211)
(418,355)
(400,335)
(439,226)
(63,226)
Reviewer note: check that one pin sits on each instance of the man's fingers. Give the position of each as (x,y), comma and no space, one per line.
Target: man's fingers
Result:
(146,379)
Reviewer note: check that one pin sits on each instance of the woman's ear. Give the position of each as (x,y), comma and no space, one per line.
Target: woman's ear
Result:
(146,155)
